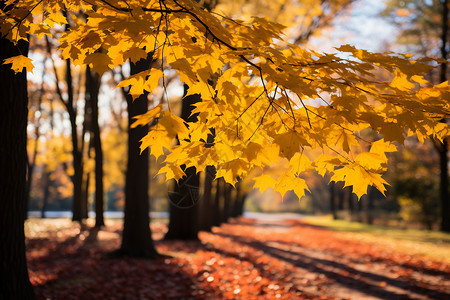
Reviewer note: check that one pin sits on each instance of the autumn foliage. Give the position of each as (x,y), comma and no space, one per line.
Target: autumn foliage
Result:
(267,100)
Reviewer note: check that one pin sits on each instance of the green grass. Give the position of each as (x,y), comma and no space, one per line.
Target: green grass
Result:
(433,244)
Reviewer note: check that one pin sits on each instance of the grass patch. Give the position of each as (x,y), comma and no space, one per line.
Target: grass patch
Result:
(433,244)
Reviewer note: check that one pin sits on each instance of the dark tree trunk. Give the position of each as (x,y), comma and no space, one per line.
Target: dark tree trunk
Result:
(184,209)
(217,205)
(93,87)
(48,173)
(77,179)
(348,194)
(239,201)
(444,194)
(14,280)
(370,205)
(228,189)
(242,198)
(86,176)
(236,200)
(443,149)
(206,204)
(333,210)
(137,237)
(46,196)
(85,193)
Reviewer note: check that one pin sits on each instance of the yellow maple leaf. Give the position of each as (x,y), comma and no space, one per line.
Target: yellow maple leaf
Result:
(148,116)
(173,125)
(19,62)
(157,140)
(40,30)
(290,143)
(359,178)
(419,79)
(145,80)
(135,54)
(172,172)
(288,182)
(299,163)
(381,147)
(264,182)
(99,62)
(55,18)
(401,82)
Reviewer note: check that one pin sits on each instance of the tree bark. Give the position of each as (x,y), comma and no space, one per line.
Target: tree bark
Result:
(184,208)
(93,87)
(236,200)
(14,280)
(444,194)
(206,204)
(227,199)
(217,205)
(333,210)
(77,179)
(136,237)
(46,195)
(443,149)
(370,205)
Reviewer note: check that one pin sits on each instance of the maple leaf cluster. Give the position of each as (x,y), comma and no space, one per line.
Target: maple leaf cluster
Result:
(264,100)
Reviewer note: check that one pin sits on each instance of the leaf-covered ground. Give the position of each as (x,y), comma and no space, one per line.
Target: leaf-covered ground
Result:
(246,259)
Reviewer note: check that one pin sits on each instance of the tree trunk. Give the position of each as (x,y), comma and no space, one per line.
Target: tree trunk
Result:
(14,280)
(206,204)
(348,194)
(93,87)
(77,179)
(228,189)
(370,204)
(333,210)
(136,237)
(444,194)
(217,205)
(184,209)
(443,151)
(236,200)
(46,195)
(243,197)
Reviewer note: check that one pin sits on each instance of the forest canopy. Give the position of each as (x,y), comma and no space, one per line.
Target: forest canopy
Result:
(263,100)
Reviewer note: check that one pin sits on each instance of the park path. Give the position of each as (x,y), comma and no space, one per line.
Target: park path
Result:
(321,263)
(264,258)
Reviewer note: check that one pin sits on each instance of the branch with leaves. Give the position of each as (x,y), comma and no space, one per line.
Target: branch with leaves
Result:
(269,101)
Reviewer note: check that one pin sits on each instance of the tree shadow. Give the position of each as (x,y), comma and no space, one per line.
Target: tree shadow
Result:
(414,267)
(80,268)
(334,270)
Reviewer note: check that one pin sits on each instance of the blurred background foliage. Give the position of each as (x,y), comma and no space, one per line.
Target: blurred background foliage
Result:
(412,199)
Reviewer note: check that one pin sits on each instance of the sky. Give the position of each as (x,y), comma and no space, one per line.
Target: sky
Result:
(362,28)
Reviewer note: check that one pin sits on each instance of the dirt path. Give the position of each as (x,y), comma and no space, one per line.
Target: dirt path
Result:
(325,263)
(247,259)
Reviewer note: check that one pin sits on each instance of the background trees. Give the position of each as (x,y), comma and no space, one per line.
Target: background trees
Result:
(424,30)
